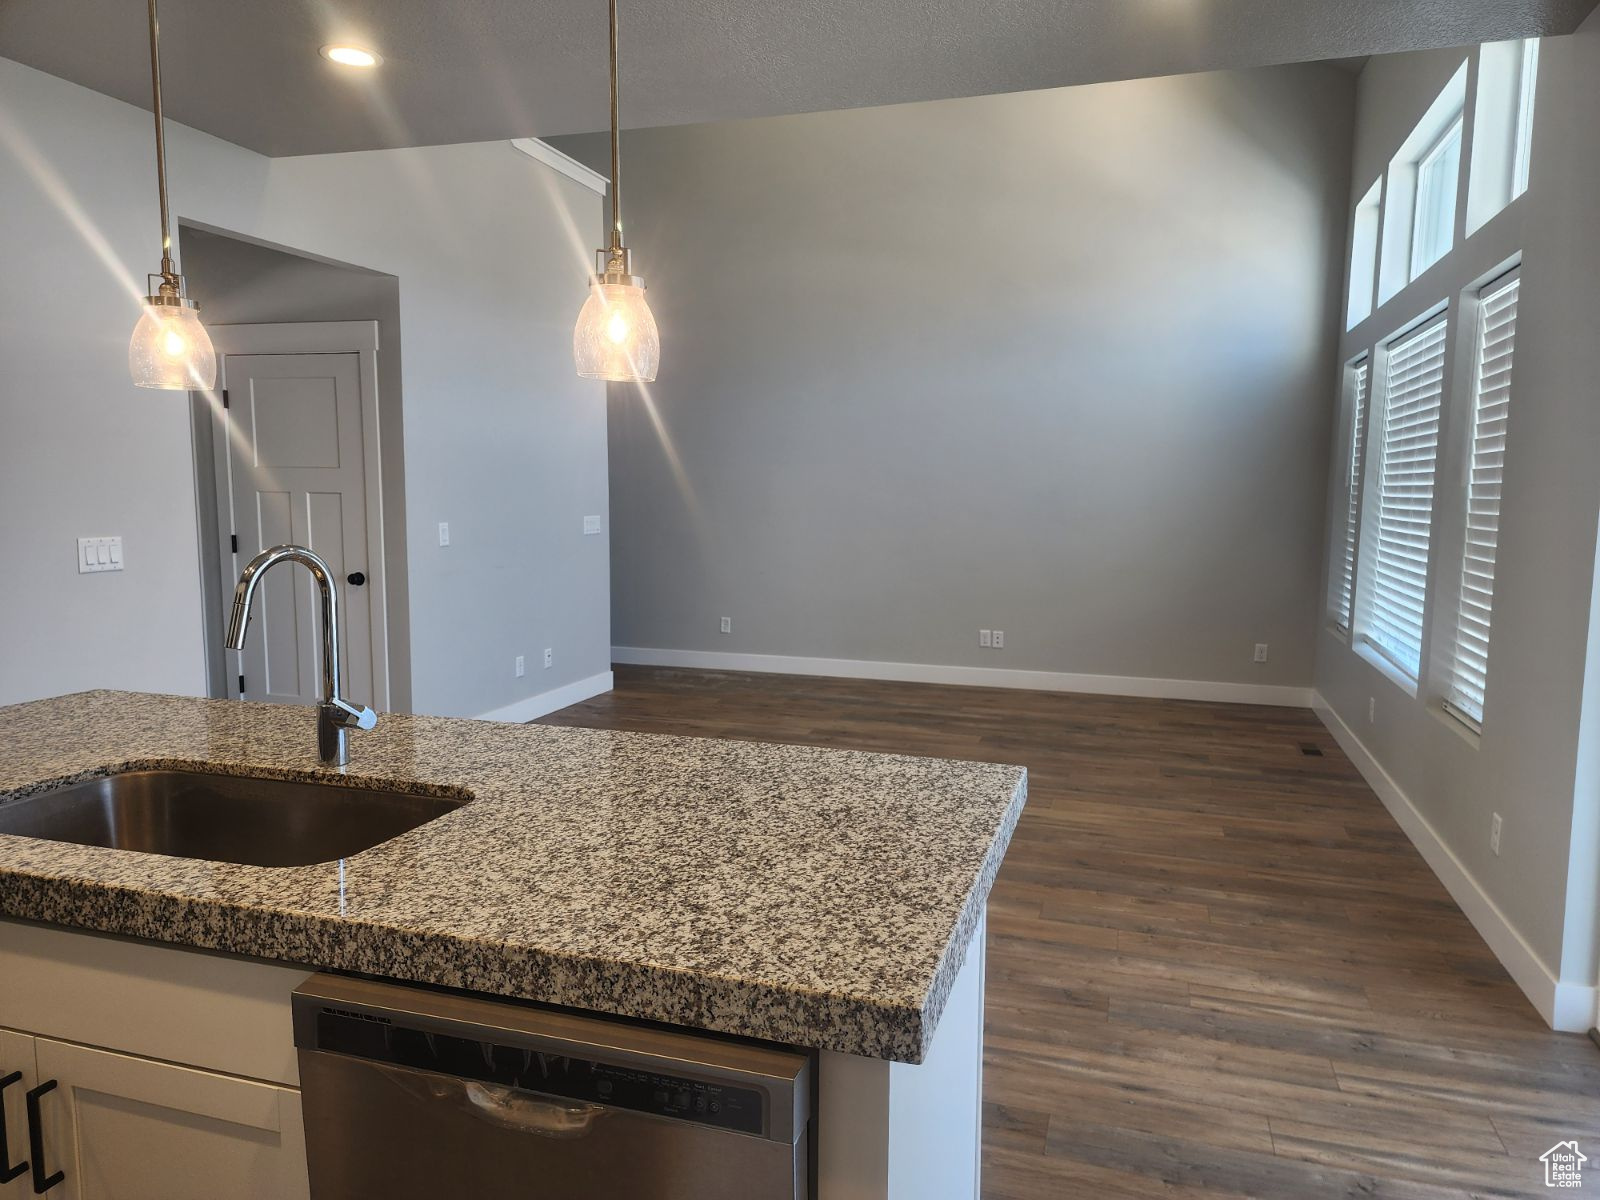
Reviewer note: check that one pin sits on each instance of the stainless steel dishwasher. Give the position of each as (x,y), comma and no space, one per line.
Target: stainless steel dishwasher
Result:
(413,1093)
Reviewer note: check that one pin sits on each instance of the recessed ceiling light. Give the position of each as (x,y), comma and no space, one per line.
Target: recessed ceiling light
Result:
(351,56)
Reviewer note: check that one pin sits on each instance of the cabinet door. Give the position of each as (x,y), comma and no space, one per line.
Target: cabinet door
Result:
(126,1128)
(16,1058)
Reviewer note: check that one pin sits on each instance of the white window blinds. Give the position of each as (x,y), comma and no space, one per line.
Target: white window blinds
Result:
(1345,570)
(1395,588)
(1491,398)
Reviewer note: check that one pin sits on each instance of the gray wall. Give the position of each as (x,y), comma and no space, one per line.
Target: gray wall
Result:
(1054,363)
(239,282)
(502,439)
(1525,765)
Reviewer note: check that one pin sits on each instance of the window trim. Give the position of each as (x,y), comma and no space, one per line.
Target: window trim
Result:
(1522,126)
(1399,201)
(1366,243)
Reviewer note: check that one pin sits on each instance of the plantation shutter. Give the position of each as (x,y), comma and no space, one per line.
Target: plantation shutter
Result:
(1491,399)
(1344,588)
(1395,596)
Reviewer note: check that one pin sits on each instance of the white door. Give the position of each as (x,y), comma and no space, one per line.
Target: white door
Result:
(125,1128)
(16,1070)
(297,472)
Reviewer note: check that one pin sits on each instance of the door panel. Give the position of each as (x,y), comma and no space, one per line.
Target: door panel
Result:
(127,1128)
(296,422)
(16,1055)
(282,647)
(297,474)
(329,530)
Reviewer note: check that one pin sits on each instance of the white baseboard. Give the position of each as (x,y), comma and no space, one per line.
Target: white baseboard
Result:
(995,677)
(1569,1007)
(545,703)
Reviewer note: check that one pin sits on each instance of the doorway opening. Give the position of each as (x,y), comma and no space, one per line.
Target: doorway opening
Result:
(307,449)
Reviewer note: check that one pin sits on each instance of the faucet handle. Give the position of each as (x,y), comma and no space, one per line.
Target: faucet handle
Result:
(359,716)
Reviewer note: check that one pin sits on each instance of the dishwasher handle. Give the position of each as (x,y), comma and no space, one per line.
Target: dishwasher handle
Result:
(527,1113)
(509,1108)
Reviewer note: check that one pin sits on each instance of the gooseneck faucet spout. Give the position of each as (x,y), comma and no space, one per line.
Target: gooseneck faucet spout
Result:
(336,716)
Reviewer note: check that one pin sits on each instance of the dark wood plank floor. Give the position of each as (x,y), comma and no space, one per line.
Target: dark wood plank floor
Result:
(1217,968)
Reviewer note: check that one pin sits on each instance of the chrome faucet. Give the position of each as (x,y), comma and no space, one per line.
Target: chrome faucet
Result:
(335,715)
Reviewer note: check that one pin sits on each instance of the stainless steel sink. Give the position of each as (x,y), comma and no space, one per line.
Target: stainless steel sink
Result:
(223,818)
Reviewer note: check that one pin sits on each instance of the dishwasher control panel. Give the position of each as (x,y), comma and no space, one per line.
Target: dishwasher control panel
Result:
(586,1079)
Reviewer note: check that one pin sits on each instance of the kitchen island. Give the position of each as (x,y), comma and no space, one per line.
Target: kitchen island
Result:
(832,900)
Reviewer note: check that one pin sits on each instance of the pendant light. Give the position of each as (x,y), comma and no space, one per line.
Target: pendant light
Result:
(170,348)
(616,338)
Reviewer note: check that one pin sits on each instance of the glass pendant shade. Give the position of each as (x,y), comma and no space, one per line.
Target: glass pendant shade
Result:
(616,337)
(171,349)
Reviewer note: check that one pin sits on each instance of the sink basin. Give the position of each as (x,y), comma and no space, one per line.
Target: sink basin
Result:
(222,818)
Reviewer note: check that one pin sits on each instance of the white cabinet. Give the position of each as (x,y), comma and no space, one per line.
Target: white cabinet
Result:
(126,1128)
(119,1127)
(17,1069)
(194,1096)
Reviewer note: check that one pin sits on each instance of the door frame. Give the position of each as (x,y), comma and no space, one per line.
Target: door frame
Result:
(313,337)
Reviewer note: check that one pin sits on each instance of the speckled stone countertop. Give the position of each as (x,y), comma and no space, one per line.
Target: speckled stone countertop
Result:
(810,896)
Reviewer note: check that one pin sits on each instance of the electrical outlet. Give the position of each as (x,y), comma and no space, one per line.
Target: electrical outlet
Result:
(999,639)
(1494,834)
(1261,652)
(521,666)
(549,657)
(985,637)
(726,625)
(444,533)
(1372,709)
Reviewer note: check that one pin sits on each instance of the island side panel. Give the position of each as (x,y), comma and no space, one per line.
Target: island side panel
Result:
(897,1131)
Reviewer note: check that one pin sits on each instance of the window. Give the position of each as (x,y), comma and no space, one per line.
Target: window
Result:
(1343,590)
(1502,137)
(1433,227)
(1420,190)
(1527,85)
(1394,580)
(1491,398)
(1364,255)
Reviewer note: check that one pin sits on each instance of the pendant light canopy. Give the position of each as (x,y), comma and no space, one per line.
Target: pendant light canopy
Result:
(170,348)
(616,337)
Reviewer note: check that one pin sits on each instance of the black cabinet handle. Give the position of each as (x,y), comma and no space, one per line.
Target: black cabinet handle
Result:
(42,1183)
(8,1169)
(355,579)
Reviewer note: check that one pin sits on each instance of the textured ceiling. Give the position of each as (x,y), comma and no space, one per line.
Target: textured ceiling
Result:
(469,70)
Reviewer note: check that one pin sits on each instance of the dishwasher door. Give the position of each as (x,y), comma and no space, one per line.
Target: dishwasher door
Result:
(409,1093)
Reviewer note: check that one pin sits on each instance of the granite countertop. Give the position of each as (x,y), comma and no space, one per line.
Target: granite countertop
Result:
(809,896)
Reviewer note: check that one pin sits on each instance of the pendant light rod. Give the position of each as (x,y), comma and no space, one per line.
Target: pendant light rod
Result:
(616,338)
(170,349)
(616,140)
(169,277)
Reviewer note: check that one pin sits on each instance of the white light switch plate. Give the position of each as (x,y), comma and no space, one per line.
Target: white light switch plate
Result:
(591,526)
(99,554)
